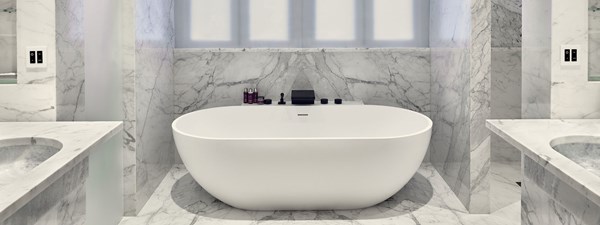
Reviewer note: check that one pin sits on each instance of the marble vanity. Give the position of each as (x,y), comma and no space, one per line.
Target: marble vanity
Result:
(561,183)
(54,191)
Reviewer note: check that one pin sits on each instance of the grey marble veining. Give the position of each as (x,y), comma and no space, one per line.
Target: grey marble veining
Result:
(62,203)
(34,98)
(77,140)
(506,98)
(147,97)
(533,138)
(8,37)
(450,66)
(211,78)
(479,106)
(506,23)
(594,37)
(70,71)
(546,199)
(536,81)
(460,96)
(426,199)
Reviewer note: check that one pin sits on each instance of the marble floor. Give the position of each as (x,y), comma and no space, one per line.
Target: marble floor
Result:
(504,189)
(426,199)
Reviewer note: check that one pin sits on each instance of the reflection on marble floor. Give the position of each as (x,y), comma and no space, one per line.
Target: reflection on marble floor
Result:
(504,189)
(426,199)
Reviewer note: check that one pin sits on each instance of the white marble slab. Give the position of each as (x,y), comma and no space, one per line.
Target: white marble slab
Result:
(77,138)
(533,138)
(426,199)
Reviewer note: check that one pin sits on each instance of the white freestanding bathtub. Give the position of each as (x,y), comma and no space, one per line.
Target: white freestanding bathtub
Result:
(302,157)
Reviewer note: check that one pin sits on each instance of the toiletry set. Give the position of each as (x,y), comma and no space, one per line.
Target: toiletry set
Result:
(299,97)
(251,97)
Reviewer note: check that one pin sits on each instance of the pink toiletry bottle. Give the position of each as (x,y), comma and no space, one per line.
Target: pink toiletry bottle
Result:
(245,95)
(250,96)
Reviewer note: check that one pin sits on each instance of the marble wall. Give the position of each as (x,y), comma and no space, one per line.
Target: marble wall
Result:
(537,28)
(63,202)
(147,97)
(34,97)
(573,97)
(506,72)
(70,65)
(210,78)
(8,37)
(460,40)
(551,90)
(594,38)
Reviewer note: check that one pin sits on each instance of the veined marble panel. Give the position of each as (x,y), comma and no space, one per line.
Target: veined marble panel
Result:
(506,98)
(572,95)
(27,103)
(536,59)
(8,53)
(70,71)
(62,203)
(549,200)
(506,23)
(36,27)
(153,73)
(450,66)
(399,77)
(479,105)
(594,37)
(129,106)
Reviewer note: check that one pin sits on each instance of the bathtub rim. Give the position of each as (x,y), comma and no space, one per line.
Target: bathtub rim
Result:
(422,131)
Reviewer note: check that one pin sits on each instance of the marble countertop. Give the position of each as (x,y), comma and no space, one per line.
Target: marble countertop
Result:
(533,138)
(78,138)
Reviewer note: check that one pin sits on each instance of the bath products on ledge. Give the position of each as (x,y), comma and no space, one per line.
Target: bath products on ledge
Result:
(245,95)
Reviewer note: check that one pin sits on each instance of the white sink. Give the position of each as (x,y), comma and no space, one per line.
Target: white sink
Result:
(583,150)
(20,155)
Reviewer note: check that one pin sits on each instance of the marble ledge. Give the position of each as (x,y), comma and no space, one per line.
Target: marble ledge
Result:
(78,138)
(300,49)
(532,137)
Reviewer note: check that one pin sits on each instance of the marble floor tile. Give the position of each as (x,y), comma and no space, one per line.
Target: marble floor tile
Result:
(504,189)
(426,199)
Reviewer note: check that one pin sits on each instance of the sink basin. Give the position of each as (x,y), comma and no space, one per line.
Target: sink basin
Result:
(20,155)
(583,150)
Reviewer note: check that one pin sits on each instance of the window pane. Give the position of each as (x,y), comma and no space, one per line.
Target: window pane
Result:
(269,20)
(393,19)
(335,20)
(210,20)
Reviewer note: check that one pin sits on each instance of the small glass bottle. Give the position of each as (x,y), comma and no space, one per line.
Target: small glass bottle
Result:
(250,96)
(245,95)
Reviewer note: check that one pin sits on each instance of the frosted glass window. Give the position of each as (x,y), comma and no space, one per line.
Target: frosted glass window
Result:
(301,23)
(393,20)
(211,20)
(269,20)
(335,20)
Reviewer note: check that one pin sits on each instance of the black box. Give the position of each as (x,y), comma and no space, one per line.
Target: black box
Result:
(303,97)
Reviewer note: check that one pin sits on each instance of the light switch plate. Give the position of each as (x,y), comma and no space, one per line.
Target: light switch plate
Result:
(570,55)
(37,50)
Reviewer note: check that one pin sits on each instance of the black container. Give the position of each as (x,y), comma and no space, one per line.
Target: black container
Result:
(303,97)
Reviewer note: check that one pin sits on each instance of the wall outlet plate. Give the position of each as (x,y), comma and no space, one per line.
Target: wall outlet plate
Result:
(570,55)
(37,57)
